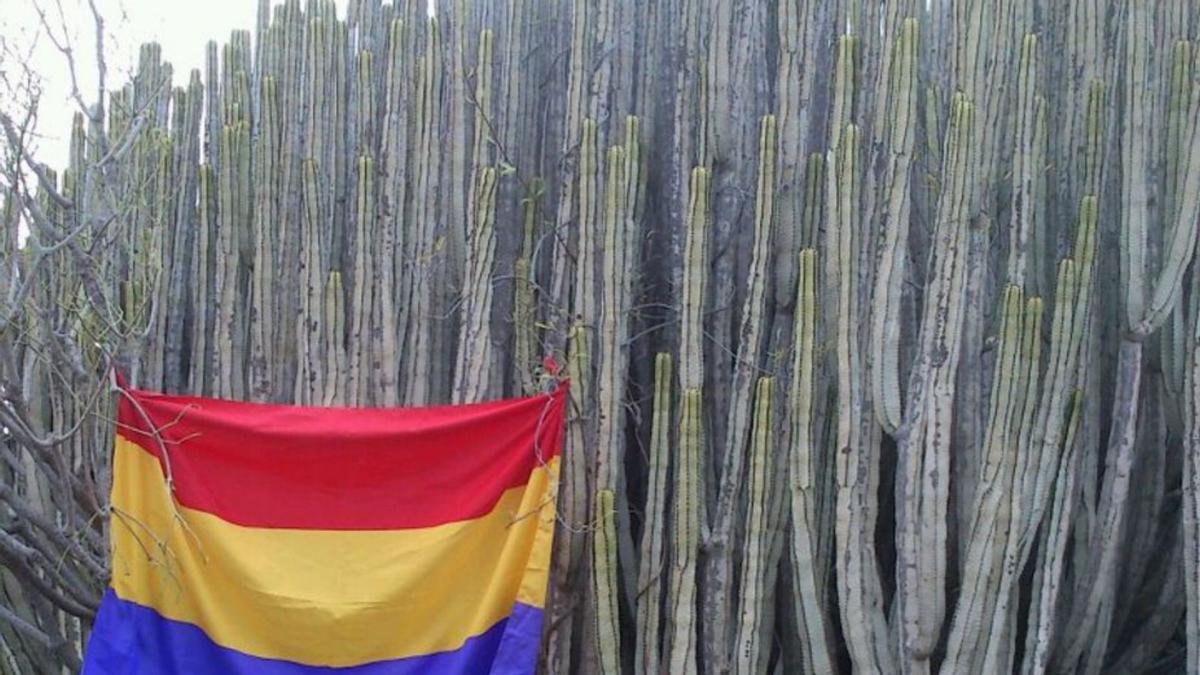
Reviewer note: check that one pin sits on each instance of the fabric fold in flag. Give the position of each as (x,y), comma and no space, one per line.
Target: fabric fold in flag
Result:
(252,538)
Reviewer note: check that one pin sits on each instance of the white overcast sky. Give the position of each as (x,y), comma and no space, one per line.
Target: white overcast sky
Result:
(182,27)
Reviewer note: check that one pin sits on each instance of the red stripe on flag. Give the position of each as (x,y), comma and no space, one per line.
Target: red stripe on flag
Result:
(297,467)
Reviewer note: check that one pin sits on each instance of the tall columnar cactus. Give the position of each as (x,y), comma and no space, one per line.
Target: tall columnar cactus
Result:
(805,468)
(1025,267)
(890,267)
(686,514)
(1058,408)
(720,540)
(360,320)
(1048,583)
(605,592)
(1027,230)
(360,235)
(761,541)
(1053,425)
(800,24)
(1191,452)
(612,326)
(1147,299)
(687,507)
(1191,487)
(463,158)
(263,283)
(857,477)
(582,354)
(855,468)
(610,414)
(393,226)
(1179,105)
(1147,305)
(202,292)
(617,269)
(814,198)
(573,204)
(419,348)
(174,304)
(652,570)
(233,181)
(283,49)
(982,632)
(570,535)
(1014,389)
(332,344)
(525,332)
(471,381)
(924,446)
(695,283)
(310,374)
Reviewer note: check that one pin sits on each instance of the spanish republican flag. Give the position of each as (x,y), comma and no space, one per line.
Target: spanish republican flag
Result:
(283,540)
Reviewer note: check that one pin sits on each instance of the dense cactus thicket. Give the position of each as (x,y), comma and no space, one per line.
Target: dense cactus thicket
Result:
(882,319)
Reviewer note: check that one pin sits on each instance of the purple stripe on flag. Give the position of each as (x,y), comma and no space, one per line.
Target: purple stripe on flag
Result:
(129,639)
